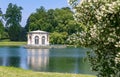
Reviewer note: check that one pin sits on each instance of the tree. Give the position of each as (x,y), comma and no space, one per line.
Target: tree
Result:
(37,20)
(52,20)
(1,26)
(23,34)
(13,18)
(1,30)
(0,13)
(63,17)
(58,38)
(100,20)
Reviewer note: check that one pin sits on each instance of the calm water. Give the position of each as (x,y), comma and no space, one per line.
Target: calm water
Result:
(67,60)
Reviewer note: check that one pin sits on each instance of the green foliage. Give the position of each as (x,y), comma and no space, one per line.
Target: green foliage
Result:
(1,12)
(58,38)
(63,17)
(100,20)
(37,20)
(74,39)
(13,18)
(54,21)
(1,30)
(23,34)
(13,15)
(51,20)
(14,32)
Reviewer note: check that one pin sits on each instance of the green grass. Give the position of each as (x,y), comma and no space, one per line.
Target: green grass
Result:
(17,72)
(5,40)
(10,43)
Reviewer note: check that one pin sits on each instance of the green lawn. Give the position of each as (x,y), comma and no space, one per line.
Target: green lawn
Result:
(10,43)
(17,72)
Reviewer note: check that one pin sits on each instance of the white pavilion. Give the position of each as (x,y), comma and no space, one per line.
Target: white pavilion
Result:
(38,38)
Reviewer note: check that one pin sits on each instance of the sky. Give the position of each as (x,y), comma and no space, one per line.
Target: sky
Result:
(29,6)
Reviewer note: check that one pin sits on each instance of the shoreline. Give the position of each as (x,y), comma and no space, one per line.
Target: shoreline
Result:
(12,43)
(24,44)
(44,47)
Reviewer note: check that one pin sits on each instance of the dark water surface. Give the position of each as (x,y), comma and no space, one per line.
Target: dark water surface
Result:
(67,60)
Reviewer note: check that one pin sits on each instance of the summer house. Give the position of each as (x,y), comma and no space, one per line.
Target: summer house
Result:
(38,38)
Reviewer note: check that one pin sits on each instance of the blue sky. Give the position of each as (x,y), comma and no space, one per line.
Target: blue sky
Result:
(29,6)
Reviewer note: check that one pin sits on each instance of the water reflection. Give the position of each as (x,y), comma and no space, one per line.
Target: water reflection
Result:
(13,57)
(70,60)
(38,59)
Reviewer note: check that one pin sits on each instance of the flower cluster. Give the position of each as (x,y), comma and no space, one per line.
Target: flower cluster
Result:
(111,7)
(117,59)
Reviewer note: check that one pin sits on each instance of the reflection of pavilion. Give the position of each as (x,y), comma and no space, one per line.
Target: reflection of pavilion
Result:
(38,59)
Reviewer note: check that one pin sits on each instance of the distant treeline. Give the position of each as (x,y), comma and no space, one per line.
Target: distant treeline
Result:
(59,22)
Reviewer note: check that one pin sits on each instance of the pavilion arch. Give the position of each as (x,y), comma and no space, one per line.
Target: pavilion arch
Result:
(36,40)
(43,40)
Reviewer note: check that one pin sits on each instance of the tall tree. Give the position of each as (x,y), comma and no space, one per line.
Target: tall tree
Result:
(51,20)
(1,25)
(1,30)
(37,20)
(13,18)
(0,12)
(101,22)
(63,17)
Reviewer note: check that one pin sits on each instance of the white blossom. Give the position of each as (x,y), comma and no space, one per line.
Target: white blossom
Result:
(117,59)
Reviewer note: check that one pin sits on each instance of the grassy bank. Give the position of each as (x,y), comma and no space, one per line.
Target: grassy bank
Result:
(10,43)
(16,72)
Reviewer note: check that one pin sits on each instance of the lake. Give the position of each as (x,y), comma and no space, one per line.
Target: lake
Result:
(66,60)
